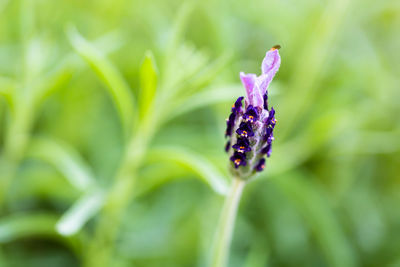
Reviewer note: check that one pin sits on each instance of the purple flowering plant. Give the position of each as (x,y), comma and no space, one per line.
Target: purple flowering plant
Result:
(250,126)
(250,132)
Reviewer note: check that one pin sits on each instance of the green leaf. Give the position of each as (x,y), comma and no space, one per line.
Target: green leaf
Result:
(186,64)
(258,254)
(52,82)
(65,159)
(116,85)
(84,209)
(205,98)
(180,23)
(110,41)
(148,82)
(22,225)
(211,71)
(7,87)
(38,224)
(198,164)
(60,75)
(156,176)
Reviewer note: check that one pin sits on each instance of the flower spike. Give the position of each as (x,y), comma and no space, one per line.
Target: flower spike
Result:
(250,127)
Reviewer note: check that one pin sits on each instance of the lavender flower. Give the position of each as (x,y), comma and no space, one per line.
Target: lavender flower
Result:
(250,128)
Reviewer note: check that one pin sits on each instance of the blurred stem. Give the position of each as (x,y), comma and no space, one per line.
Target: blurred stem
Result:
(100,250)
(16,139)
(223,236)
(17,135)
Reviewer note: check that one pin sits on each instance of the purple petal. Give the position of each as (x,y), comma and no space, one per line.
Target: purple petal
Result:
(248,81)
(271,61)
(258,99)
(269,67)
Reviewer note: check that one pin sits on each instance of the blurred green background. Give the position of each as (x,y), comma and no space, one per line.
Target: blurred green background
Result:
(112,117)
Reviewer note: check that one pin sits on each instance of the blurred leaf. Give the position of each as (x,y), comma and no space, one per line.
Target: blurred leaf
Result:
(52,82)
(191,72)
(110,41)
(25,225)
(7,87)
(319,216)
(84,209)
(62,73)
(36,54)
(109,75)
(65,159)
(182,17)
(39,224)
(259,253)
(156,176)
(211,71)
(148,83)
(187,62)
(199,165)
(186,83)
(205,98)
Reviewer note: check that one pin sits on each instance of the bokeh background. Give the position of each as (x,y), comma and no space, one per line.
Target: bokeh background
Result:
(112,117)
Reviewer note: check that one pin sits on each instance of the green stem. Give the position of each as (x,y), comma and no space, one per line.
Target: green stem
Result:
(16,140)
(101,247)
(226,224)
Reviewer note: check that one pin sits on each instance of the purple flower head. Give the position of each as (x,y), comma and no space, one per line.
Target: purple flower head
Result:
(250,128)
(266,100)
(238,105)
(269,135)
(242,145)
(236,109)
(251,114)
(271,121)
(239,159)
(267,150)
(227,146)
(260,165)
(245,130)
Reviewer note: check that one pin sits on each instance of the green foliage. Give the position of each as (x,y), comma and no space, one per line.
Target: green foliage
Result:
(64,159)
(196,163)
(148,82)
(84,209)
(134,175)
(109,75)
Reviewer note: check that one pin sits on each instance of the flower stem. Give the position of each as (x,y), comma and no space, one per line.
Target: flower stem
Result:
(226,224)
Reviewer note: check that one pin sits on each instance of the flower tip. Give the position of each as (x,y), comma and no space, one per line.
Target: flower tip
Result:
(275,47)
